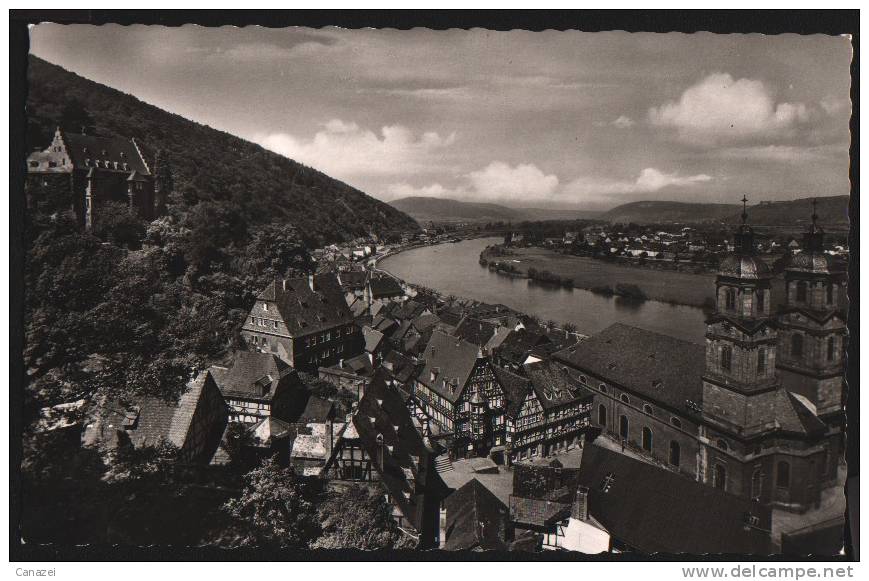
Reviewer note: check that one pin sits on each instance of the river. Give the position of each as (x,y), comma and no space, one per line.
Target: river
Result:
(454,269)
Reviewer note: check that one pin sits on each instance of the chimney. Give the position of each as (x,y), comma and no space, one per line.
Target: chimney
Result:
(311,281)
(579,511)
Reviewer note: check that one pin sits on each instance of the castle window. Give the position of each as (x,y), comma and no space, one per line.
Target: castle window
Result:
(676,422)
(675,453)
(756,484)
(265,307)
(34,164)
(829,294)
(797,345)
(52,164)
(647,439)
(730,299)
(726,358)
(601,415)
(761,361)
(831,348)
(801,291)
(783,475)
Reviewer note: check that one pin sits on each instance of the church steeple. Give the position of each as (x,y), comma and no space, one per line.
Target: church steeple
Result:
(744,236)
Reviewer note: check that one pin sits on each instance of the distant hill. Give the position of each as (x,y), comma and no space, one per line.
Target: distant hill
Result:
(425,209)
(649,212)
(832,213)
(207,164)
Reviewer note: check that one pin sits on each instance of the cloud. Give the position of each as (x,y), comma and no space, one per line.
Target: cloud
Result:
(649,180)
(784,153)
(499,180)
(345,150)
(436,190)
(719,109)
(623,122)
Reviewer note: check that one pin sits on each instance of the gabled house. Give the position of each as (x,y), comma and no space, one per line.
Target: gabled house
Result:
(256,386)
(457,389)
(304,321)
(542,501)
(194,423)
(474,519)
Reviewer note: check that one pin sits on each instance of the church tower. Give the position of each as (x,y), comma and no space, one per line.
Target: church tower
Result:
(812,326)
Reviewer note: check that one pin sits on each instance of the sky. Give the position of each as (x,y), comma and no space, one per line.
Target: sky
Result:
(528,119)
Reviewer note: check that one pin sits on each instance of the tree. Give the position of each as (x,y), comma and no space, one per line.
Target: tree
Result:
(116,223)
(75,118)
(359,519)
(277,507)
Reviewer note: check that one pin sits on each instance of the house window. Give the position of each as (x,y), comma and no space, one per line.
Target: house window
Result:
(801,291)
(676,422)
(783,475)
(675,453)
(625,399)
(719,477)
(647,409)
(623,427)
(726,357)
(761,361)
(647,439)
(601,415)
(831,348)
(797,345)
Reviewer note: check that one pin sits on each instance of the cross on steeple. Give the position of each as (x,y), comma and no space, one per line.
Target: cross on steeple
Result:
(814,212)
(744,209)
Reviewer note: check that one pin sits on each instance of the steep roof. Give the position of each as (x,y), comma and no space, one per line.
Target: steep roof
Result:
(553,385)
(317,410)
(399,366)
(515,389)
(254,375)
(373,339)
(306,311)
(475,518)
(657,367)
(117,150)
(475,331)
(518,344)
(655,510)
(384,287)
(452,360)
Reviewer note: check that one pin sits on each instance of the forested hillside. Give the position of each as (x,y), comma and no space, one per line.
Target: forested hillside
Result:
(208,165)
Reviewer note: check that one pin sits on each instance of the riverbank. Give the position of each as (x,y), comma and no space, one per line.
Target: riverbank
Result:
(668,286)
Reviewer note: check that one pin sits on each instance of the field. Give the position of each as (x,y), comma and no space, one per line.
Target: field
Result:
(661,285)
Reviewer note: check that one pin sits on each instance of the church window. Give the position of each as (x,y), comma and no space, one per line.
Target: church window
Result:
(647,409)
(730,299)
(647,439)
(601,415)
(719,477)
(756,484)
(721,444)
(602,387)
(625,399)
(797,345)
(726,357)
(831,348)
(623,427)
(761,361)
(676,422)
(801,291)
(829,294)
(675,453)
(760,302)
(783,475)
(582,379)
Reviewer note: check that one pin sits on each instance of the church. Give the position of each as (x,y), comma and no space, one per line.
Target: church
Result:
(758,410)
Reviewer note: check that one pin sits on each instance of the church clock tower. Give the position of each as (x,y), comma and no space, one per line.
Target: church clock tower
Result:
(812,336)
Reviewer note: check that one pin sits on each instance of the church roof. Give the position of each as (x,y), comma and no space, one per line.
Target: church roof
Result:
(744,266)
(658,367)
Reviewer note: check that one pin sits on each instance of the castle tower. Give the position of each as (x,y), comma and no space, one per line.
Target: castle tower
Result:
(812,326)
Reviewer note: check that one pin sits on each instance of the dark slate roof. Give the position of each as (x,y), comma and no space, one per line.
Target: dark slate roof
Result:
(118,149)
(409,309)
(553,385)
(518,344)
(515,388)
(384,287)
(476,518)
(306,311)
(317,411)
(451,316)
(399,366)
(638,360)
(784,410)
(425,322)
(382,411)
(655,510)
(254,375)
(475,331)
(353,280)
(452,360)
